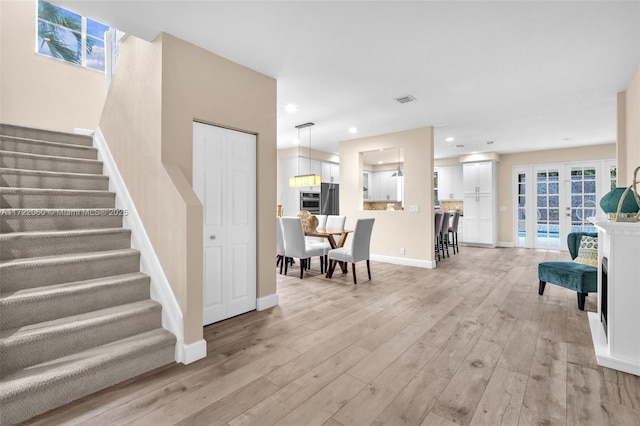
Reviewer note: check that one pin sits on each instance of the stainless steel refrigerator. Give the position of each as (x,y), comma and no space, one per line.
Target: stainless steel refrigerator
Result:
(329,198)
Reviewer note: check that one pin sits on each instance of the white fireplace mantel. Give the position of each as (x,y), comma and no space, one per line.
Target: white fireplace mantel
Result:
(618,346)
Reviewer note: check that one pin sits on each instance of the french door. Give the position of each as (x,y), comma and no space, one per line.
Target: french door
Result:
(552,200)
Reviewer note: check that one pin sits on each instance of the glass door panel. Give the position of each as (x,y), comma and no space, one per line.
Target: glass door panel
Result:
(522,237)
(547,208)
(583,198)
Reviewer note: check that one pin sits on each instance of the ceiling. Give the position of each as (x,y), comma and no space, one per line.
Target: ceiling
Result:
(526,75)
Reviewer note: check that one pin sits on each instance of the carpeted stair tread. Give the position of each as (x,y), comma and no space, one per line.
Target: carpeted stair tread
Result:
(41,342)
(89,362)
(75,310)
(19,160)
(18,245)
(46,135)
(39,198)
(52,180)
(35,146)
(49,270)
(14,220)
(34,305)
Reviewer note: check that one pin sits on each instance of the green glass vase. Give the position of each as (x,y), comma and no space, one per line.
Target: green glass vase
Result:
(610,201)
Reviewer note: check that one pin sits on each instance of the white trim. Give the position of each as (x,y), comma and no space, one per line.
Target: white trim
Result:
(268,301)
(192,352)
(505,244)
(161,292)
(81,131)
(418,263)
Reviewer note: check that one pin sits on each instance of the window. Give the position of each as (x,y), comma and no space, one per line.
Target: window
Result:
(65,35)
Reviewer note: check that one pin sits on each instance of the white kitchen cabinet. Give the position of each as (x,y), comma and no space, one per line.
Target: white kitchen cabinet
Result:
(480,203)
(384,187)
(450,183)
(330,172)
(478,177)
(458,183)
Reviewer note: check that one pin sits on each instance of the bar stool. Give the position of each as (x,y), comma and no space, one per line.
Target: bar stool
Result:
(444,234)
(437,229)
(453,230)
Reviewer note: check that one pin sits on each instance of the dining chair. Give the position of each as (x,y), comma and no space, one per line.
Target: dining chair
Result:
(358,251)
(437,227)
(281,259)
(295,244)
(332,222)
(320,241)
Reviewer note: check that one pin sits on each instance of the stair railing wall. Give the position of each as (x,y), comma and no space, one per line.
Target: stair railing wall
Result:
(161,292)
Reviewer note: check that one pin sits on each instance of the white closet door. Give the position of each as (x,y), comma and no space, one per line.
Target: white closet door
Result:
(224,178)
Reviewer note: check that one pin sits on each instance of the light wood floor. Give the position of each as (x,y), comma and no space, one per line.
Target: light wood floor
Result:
(470,342)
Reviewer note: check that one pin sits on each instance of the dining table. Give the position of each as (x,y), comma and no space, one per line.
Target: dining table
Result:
(329,235)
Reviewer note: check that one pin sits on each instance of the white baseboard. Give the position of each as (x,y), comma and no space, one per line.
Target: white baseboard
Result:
(429,264)
(267,302)
(161,292)
(505,244)
(192,352)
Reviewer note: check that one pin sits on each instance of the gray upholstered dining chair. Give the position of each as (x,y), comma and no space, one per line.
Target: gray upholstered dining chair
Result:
(280,250)
(358,251)
(295,244)
(331,222)
(320,241)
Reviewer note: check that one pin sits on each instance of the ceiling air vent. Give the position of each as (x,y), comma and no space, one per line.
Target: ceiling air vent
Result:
(405,99)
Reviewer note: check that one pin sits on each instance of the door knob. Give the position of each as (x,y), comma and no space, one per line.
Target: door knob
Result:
(213,237)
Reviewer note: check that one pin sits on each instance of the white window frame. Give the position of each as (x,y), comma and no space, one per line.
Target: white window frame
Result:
(83,38)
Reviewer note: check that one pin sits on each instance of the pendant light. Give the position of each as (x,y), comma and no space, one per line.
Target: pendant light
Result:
(398,173)
(309,179)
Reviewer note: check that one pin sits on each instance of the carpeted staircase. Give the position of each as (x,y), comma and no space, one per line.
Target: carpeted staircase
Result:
(75,312)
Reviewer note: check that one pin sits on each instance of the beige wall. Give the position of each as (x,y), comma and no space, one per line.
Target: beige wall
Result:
(628,154)
(505,176)
(158,90)
(198,85)
(39,91)
(397,229)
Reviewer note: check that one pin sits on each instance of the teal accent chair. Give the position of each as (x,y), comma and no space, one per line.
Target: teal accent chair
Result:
(575,276)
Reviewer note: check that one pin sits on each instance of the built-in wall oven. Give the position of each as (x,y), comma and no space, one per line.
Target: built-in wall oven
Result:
(310,201)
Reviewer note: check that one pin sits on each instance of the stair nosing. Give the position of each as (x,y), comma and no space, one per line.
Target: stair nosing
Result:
(46,191)
(59,233)
(48,131)
(48,157)
(83,321)
(51,143)
(68,287)
(24,262)
(97,355)
(53,173)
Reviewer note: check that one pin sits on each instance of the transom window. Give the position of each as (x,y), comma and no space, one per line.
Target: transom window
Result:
(65,35)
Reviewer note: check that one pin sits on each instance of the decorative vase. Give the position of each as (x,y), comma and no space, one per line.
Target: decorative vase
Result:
(609,203)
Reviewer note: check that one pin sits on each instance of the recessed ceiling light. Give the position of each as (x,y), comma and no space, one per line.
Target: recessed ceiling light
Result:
(290,108)
(381,149)
(450,139)
(353,130)
(459,146)
(474,152)
(489,142)
(380,162)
